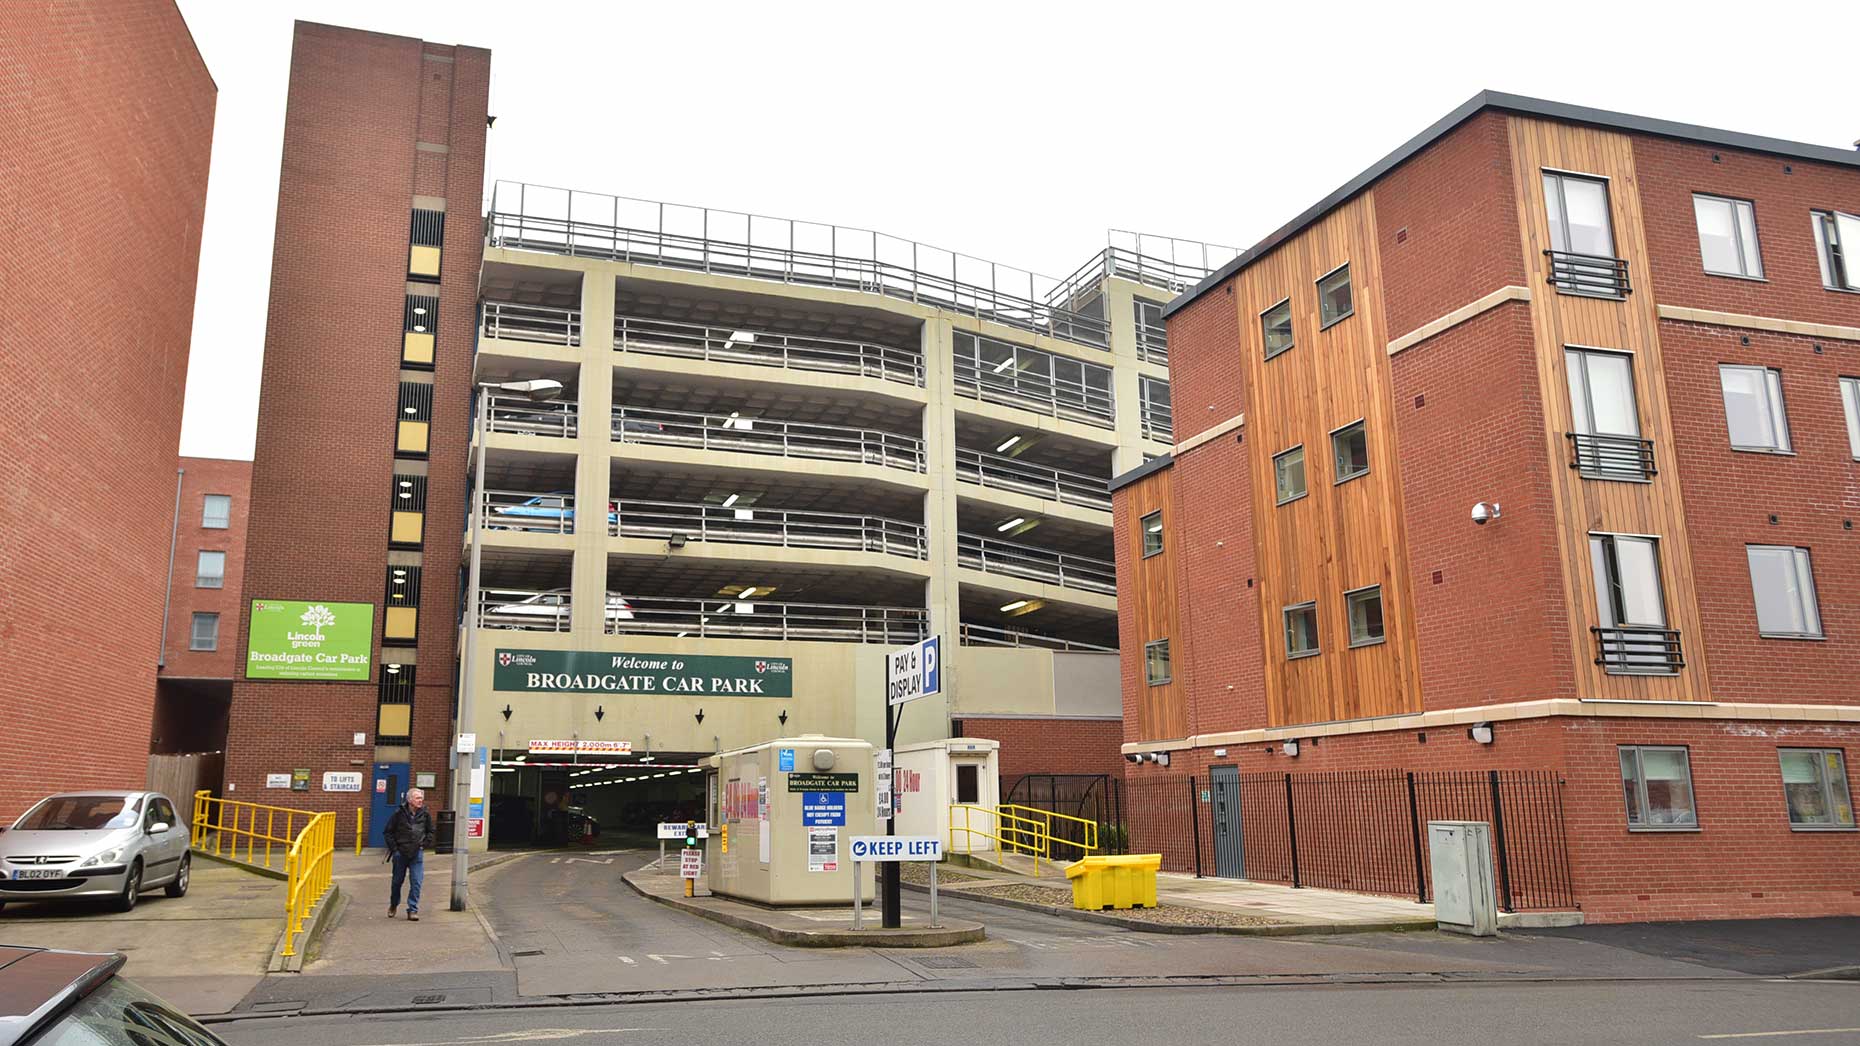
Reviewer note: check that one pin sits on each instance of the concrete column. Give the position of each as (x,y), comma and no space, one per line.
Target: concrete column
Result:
(929,718)
(1120,310)
(596,394)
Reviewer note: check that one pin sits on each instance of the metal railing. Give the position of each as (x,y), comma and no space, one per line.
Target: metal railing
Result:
(1057,398)
(1152,340)
(543,323)
(523,609)
(988,635)
(1611,457)
(1140,258)
(713,618)
(580,224)
(766,349)
(1025,477)
(1010,832)
(1638,651)
(531,418)
(995,556)
(729,432)
(305,842)
(1595,275)
(753,526)
(537,513)
(1061,829)
(1157,416)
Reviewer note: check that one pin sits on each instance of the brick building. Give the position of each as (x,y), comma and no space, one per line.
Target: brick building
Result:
(1635,346)
(193,685)
(105,135)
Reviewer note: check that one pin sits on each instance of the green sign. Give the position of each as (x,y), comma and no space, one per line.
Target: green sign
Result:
(823,782)
(295,640)
(605,672)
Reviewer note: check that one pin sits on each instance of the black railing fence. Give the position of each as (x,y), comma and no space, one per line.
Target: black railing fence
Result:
(1361,830)
(1092,797)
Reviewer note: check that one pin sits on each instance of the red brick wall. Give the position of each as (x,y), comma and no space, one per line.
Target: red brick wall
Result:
(1669,172)
(205,476)
(1052,746)
(1204,362)
(1224,683)
(1447,225)
(358,103)
(1730,496)
(105,133)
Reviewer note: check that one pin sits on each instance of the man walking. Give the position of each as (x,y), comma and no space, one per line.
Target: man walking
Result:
(407,834)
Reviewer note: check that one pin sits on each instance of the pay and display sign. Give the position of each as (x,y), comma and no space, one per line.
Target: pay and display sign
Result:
(913,672)
(288,639)
(897,848)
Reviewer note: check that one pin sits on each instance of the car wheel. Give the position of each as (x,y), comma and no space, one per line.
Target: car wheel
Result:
(2,906)
(178,888)
(132,888)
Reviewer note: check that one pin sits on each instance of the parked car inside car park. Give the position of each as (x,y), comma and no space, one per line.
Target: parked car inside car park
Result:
(95,844)
(54,998)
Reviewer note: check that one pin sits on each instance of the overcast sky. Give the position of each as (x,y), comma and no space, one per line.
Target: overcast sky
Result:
(1010,131)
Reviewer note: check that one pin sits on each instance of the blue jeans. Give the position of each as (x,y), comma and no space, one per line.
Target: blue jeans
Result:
(414,869)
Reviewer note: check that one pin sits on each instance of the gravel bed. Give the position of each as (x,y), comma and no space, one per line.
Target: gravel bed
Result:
(918,874)
(1168,914)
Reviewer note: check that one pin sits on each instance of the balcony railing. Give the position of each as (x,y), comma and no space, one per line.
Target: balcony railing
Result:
(751,526)
(1040,481)
(1638,651)
(528,417)
(563,221)
(528,610)
(1611,457)
(764,349)
(987,635)
(1152,343)
(1057,398)
(1596,275)
(994,556)
(532,512)
(727,619)
(509,320)
(1158,420)
(728,432)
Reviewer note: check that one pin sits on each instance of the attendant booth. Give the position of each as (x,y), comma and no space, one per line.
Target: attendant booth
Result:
(782,814)
(932,777)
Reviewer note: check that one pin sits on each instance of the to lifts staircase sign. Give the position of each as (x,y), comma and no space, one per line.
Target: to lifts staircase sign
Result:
(605,672)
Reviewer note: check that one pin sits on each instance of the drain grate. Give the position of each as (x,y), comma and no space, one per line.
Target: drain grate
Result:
(428,1000)
(526,951)
(944,962)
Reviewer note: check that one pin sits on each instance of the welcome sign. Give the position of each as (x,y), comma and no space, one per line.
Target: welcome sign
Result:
(605,672)
(293,639)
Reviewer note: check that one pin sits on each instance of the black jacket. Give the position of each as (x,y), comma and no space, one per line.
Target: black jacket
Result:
(409,831)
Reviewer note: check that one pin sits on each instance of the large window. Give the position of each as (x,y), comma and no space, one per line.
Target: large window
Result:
(216,511)
(1152,533)
(1301,630)
(1288,472)
(1604,421)
(1335,301)
(1815,787)
(1001,372)
(1578,211)
(1276,325)
(210,572)
(1349,447)
(1785,591)
(1156,669)
(1365,609)
(1728,236)
(1657,784)
(1753,408)
(1837,237)
(1850,405)
(206,634)
(1632,636)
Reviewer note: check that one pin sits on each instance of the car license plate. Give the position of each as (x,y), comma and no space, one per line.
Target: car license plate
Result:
(38,873)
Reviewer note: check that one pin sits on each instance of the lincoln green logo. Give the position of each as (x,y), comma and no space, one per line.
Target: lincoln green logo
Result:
(318,640)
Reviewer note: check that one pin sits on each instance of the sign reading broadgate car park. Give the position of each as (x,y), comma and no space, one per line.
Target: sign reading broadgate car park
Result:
(291,639)
(605,672)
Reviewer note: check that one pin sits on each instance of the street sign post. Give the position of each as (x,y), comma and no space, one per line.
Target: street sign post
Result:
(676,830)
(910,673)
(890,851)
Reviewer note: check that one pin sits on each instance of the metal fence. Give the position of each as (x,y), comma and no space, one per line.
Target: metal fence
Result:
(1026,477)
(995,556)
(1076,798)
(787,439)
(767,349)
(988,635)
(519,322)
(742,619)
(831,530)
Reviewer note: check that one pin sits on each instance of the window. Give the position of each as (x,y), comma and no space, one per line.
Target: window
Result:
(1815,787)
(216,511)
(1837,235)
(1657,783)
(211,571)
(206,632)
(1578,213)
(1301,630)
(1728,236)
(1850,404)
(1632,637)
(1288,470)
(1350,447)
(1152,533)
(1156,662)
(1604,421)
(1365,609)
(1276,324)
(1334,300)
(1785,591)
(968,783)
(1753,408)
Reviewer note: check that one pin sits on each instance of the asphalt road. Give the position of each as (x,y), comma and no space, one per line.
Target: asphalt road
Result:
(1739,1012)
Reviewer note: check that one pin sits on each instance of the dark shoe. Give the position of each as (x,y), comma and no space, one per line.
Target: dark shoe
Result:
(413,917)
(391,911)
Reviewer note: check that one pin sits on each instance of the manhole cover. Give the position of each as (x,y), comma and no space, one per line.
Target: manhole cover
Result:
(944,962)
(520,953)
(428,1000)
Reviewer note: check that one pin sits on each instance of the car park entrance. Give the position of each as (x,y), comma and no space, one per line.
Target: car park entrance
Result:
(542,799)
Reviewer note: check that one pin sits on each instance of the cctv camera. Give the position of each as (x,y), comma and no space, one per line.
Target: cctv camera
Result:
(1483,513)
(1135,757)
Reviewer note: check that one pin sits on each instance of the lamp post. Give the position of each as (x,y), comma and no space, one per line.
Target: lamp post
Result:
(536,390)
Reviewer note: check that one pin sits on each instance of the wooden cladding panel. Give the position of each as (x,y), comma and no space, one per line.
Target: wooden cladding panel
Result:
(1338,537)
(1162,711)
(1632,327)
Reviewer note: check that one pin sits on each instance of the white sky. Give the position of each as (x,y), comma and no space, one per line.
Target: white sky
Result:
(1015,132)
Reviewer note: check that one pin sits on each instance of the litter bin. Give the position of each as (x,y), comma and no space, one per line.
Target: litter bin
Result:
(1123,881)
(445,832)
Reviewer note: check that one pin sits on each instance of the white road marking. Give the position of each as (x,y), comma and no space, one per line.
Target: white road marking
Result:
(660,959)
(629,961)
(585,860)
(1779,1034)
(532,1035)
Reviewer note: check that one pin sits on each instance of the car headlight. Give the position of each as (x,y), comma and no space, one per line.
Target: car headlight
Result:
(106,857)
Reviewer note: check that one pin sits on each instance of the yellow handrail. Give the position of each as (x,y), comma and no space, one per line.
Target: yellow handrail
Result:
(1010,831)
(304,839)
(307,871)
(1090,827)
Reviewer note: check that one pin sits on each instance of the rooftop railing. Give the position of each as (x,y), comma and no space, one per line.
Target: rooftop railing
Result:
(1024,477)
(1163,262)
(765,349)
(995,556)
(540,323)
(713,618)
(729,432)
(754,526)
(988,635)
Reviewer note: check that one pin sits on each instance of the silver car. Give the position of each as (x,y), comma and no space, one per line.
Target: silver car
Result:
(94,844)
